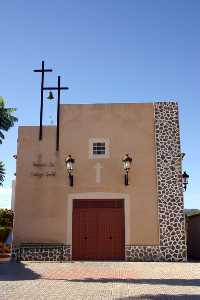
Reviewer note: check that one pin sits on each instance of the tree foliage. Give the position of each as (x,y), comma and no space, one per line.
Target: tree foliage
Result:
(6,217)
(7,120)
(4,232)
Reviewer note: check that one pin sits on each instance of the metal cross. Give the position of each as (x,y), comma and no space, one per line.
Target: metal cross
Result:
(43,70)
(58,88)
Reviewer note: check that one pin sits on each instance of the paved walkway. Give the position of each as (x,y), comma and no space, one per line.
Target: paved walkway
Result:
(99,280)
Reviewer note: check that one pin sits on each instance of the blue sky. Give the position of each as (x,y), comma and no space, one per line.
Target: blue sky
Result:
(105,51)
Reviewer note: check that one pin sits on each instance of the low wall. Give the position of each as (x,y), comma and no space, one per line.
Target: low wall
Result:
(61,252)
(42,252)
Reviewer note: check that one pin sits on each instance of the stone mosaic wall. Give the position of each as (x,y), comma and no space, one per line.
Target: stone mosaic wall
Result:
(170,192)
(43,252)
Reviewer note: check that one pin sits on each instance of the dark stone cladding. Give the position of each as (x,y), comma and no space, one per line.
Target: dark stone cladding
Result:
(170,191)
(42,252)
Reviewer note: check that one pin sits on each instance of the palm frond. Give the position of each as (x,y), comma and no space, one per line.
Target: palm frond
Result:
(2,173)
(7,120)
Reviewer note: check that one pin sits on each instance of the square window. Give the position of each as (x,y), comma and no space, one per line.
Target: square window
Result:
(99,148)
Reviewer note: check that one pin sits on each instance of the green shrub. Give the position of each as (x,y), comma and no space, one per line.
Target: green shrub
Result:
(4,232)
(1,248)
(7,248)
(6,217)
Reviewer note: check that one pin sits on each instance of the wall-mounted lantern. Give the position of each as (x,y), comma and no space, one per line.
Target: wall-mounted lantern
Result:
(127,160)
(70,166)
(185,178)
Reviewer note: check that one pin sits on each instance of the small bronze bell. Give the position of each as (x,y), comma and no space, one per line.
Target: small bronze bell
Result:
(50,96)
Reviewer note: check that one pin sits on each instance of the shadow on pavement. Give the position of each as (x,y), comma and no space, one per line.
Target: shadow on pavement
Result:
(11,271)
(162,297)
(175,282)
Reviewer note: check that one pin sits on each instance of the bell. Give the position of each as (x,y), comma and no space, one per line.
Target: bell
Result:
(50,96)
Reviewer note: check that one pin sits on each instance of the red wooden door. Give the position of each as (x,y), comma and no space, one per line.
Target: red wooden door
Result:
(98,230)
(111,236)
(84,234)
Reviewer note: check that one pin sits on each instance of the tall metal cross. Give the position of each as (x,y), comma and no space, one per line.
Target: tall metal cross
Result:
(58,88)
(43,70)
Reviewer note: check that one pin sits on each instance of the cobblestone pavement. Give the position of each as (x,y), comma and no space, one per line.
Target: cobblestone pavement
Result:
(99,280)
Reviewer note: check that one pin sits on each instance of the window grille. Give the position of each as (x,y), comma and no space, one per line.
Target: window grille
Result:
(99,148)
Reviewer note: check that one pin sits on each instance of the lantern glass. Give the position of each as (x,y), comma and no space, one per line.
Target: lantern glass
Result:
(69,163)
(185,177)
(185,180)
(69,166)
(127,165)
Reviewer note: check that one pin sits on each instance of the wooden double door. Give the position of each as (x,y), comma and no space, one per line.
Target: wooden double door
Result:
(98,230)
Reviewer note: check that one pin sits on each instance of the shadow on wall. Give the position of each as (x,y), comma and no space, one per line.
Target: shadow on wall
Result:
(175,282)
(161,297)
(13,271)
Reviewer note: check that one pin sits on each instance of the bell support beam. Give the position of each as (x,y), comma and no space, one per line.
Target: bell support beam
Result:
(55,88)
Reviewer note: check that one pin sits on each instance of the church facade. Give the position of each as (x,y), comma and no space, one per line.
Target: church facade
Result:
(91,212)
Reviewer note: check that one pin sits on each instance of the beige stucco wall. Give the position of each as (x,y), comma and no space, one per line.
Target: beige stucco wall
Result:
(42,202)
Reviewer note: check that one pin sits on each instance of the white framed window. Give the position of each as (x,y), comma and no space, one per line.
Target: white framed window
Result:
(99,148)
